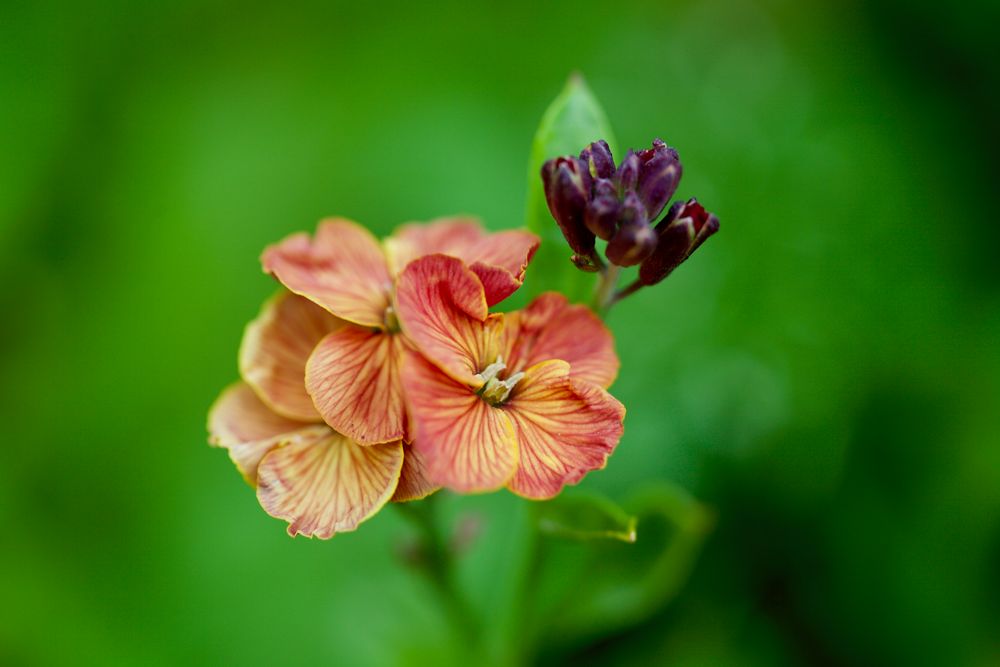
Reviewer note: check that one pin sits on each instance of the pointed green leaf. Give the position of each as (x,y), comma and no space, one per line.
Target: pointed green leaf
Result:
(585,517)
(573,120)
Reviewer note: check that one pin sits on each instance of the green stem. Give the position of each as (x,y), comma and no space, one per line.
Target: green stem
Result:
(435,561)
(604,296)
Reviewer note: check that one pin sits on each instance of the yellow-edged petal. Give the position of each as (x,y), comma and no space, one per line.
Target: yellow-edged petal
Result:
(498,259)
(341,268)
(413,481)
(275,348)
(468,445)
(551,328)
(353,378)
(565,428)
(239,422)
(443,311)
(328,484)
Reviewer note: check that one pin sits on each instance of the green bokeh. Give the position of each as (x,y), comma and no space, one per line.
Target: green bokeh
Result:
(824,373)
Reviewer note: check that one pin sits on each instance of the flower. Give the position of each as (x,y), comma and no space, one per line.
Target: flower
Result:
(684,228)
(514,400)
(353,375)
(322,482)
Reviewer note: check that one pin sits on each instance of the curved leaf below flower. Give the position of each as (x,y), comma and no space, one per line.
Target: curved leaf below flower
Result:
(565,428)
(353,378)
(342,268)
(328,484)
(275,348)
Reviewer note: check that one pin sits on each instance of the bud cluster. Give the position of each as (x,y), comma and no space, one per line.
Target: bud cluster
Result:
(590,198)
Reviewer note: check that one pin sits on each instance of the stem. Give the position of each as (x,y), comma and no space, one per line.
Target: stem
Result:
(436,563)
(628,291)
(604,296)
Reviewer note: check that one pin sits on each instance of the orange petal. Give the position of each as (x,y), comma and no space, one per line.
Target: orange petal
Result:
(353,378)
(565,428)
(551,328)
(328,484)
(468,445)
(242,424)
(342,269)
(498,259)
(442,309)
(275,348)
(413,481)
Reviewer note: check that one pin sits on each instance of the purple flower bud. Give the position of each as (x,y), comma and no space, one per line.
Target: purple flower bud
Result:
(602,213)
(659,173)
(628,173)
(567,188)
(686,227)
(635,239)
(599,160)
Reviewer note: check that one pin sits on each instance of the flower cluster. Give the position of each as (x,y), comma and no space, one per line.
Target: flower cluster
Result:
(590,198)
(379,374)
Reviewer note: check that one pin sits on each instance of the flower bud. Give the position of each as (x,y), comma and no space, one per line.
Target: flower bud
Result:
(686,227)
(659,173)
(585,263)
(602,213)
(599,161)
(628,173)
(567,188)
(635,239)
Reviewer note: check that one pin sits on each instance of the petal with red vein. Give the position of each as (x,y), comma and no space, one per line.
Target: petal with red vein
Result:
(499,259)
(468,445)
(551,328)
(353,378)
(565,428)
(342,268)
(442,309)
(445,236)
(275,349)
(328,485)
(241,423)
(413,481)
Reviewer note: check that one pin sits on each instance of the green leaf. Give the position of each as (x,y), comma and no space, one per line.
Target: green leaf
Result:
(593,589)
(573,120)
(586,517)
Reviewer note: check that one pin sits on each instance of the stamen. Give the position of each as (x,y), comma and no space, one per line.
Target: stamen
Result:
(491,371)
(390,319)
(496,391)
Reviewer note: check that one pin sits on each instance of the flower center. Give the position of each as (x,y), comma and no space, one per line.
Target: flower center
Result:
(390,320)
(494,390)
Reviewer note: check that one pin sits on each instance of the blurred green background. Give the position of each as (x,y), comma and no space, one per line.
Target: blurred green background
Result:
(824,374)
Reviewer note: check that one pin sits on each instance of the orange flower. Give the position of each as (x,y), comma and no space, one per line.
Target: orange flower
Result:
(494,400)
(322,482)
(353,374)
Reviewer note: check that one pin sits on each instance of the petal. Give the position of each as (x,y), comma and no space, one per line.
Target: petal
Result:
(468,445)
(275,348)
(442,309)
(328,484)
(342,269)
(413,481)
(241,423)
(551,328)
(353,378)
(565,428)
(499,259)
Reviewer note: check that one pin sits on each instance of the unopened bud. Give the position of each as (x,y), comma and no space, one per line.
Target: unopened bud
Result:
(628,173)
(567,189)
(686,227)
(599,160)
(585,263)
(635,239)
(659,173)
(602,213)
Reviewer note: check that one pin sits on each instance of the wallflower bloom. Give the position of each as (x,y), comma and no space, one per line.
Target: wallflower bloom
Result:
(320,481)
(353,374)
(517,399)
